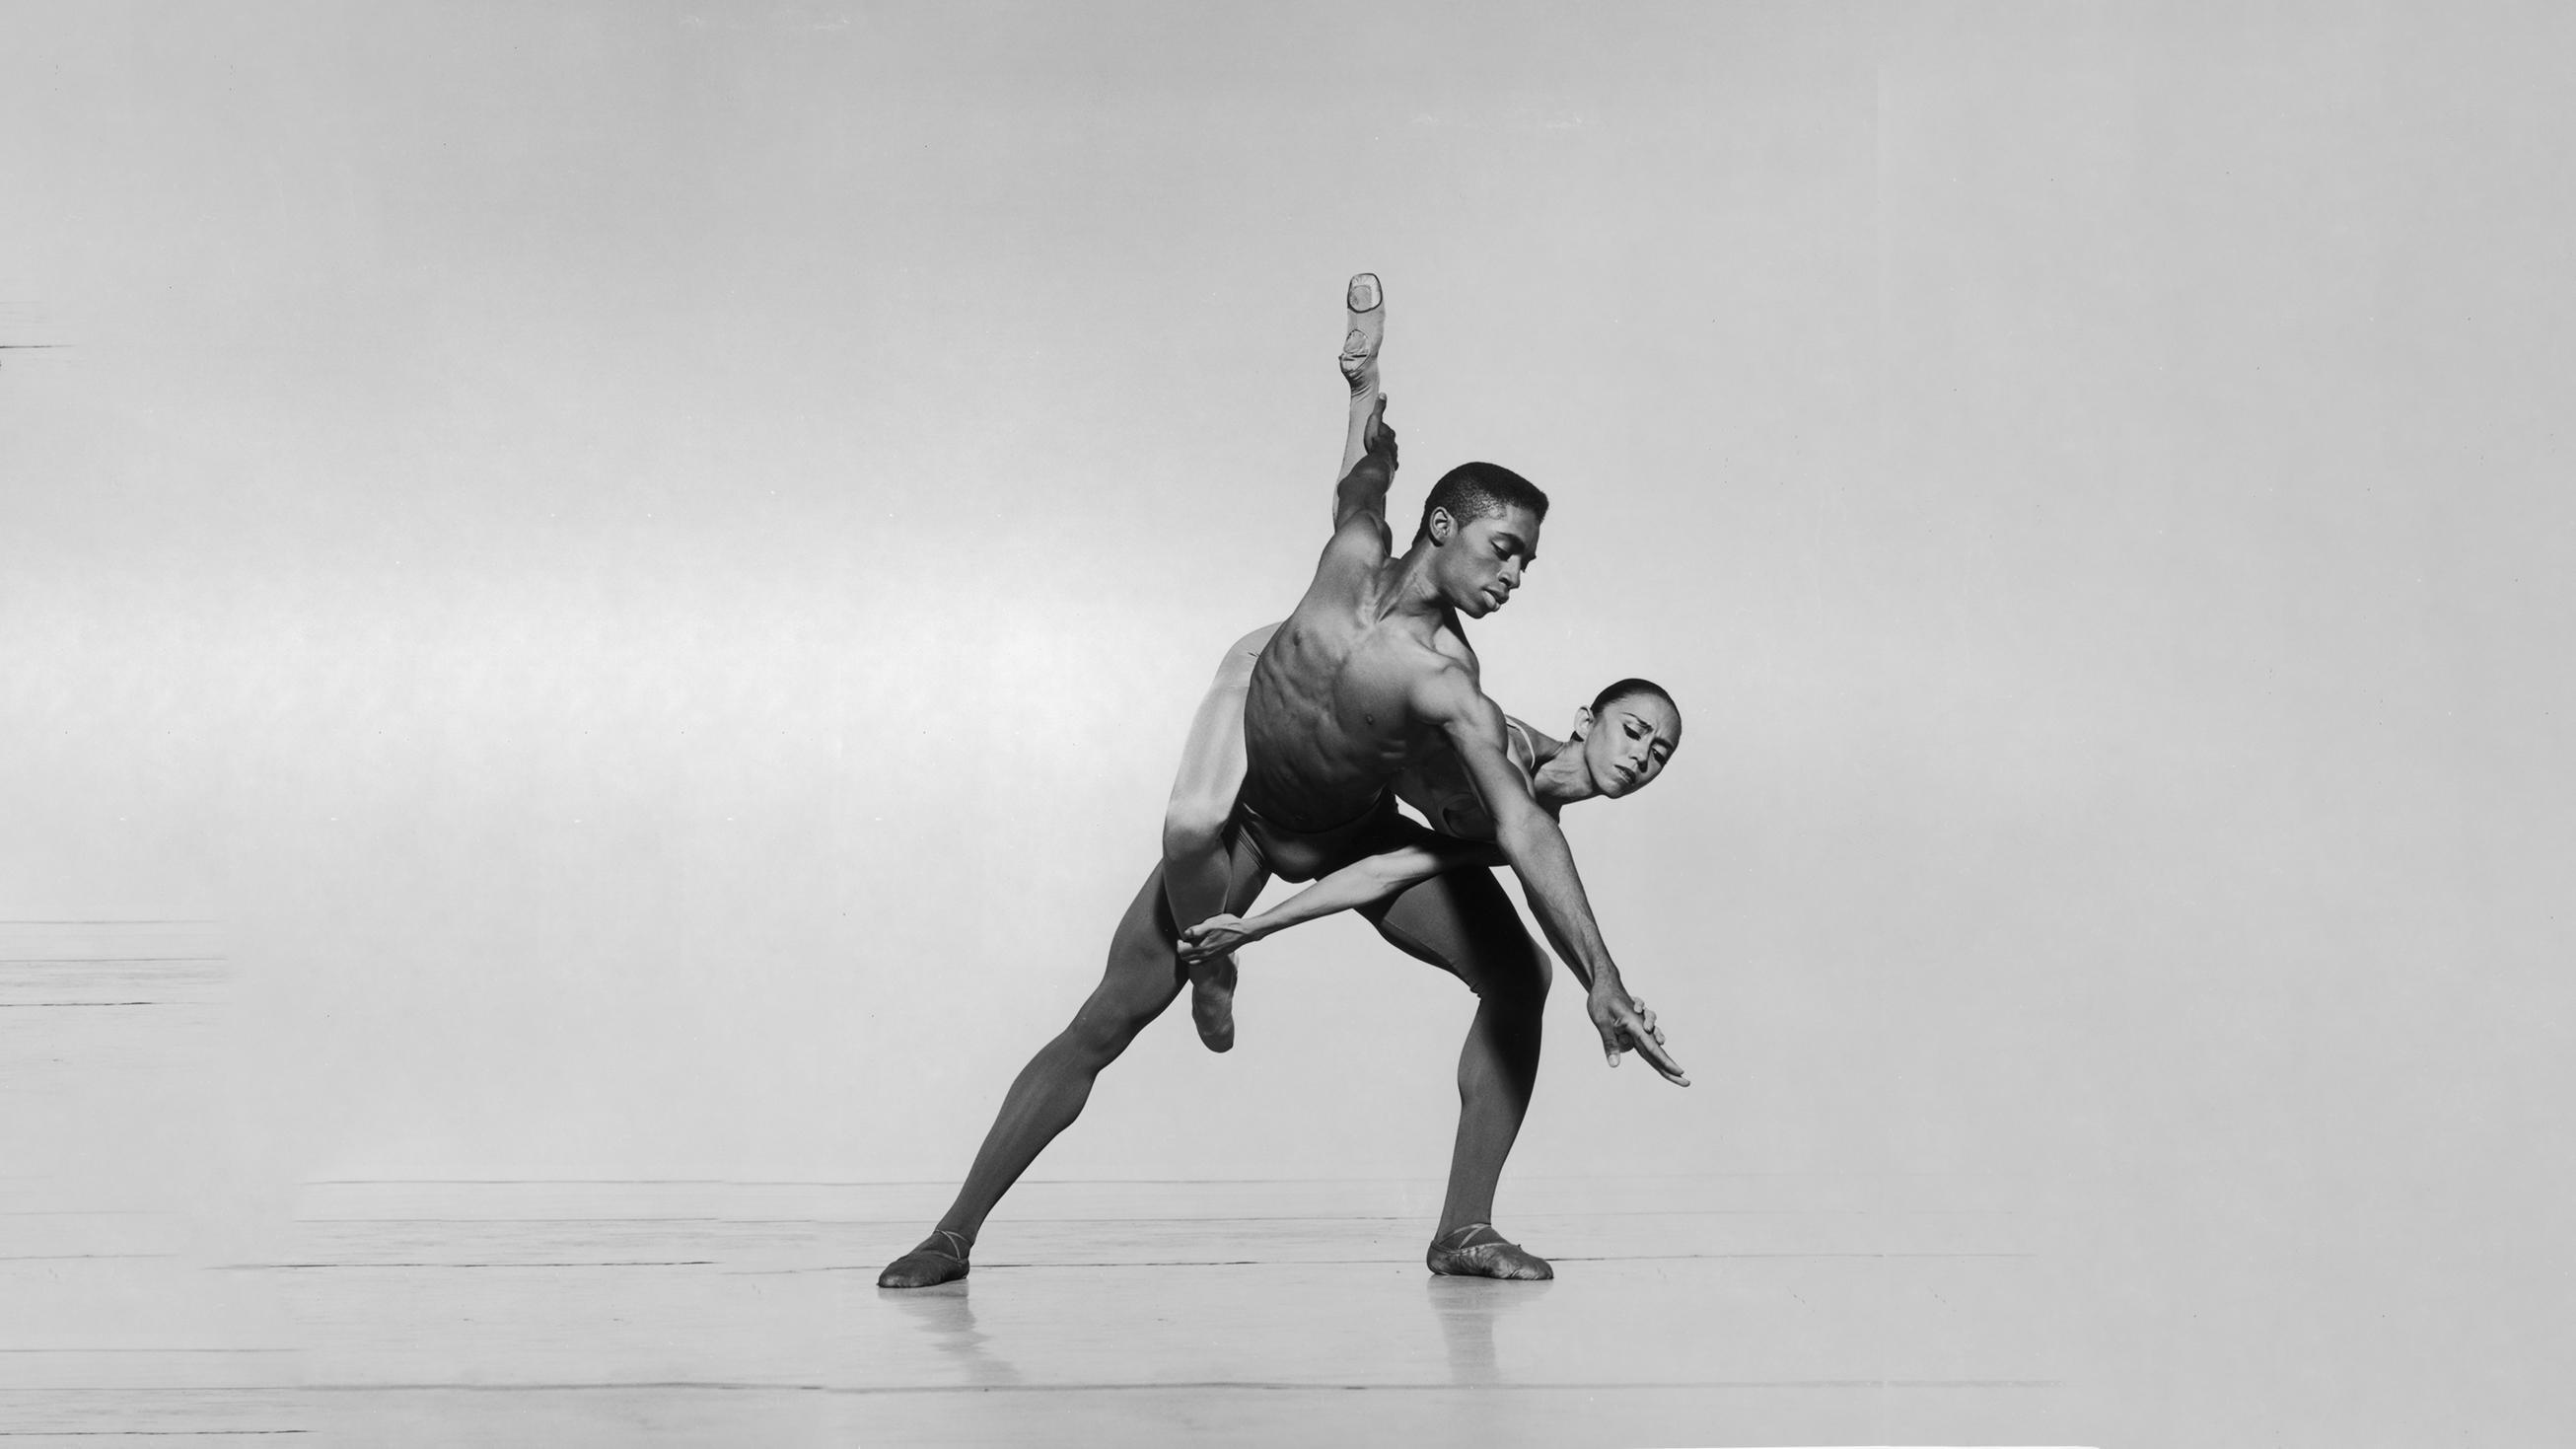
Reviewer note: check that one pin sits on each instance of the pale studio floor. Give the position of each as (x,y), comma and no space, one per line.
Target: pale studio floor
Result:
(1703,1312)
(1738,1310)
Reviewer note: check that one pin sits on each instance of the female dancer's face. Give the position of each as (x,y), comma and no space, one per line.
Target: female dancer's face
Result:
(1626,744)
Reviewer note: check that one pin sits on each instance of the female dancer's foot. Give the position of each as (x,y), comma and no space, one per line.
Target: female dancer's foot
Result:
(1365,305)
(1212,1001)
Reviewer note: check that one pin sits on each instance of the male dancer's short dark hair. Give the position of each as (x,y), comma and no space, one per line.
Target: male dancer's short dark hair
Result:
(1479,490)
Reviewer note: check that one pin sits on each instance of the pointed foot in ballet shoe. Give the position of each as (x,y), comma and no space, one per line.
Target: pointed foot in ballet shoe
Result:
(930,1264)
(1212,1003)
(1477,1251)
(1366,331)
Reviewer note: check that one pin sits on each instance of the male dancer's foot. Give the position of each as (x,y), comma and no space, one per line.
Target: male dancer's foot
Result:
(1477,1251)
(1212,1001)
(941,1258)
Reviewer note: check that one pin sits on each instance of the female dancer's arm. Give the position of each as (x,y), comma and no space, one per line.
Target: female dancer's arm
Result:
(1361,883)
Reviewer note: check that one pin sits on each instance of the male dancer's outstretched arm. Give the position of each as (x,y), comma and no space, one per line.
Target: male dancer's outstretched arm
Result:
(1527,835)
(1360,496)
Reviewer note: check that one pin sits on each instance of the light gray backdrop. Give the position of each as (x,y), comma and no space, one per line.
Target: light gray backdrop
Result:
(648,566)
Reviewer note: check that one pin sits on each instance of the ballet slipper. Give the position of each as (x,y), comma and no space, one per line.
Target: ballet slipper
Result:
(926,1266)
(1477,1251)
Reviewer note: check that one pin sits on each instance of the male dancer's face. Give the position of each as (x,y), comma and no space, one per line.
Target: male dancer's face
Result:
(1476,565)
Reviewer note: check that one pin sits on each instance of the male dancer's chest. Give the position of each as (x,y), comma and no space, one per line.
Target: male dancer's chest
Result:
(1382,669)
(1335,694)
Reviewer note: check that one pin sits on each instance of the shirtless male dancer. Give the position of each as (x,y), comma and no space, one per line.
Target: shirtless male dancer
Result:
(1369,673)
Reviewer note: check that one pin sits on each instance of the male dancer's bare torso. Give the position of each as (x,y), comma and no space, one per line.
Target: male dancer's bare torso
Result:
(1330,725)
(1333,715)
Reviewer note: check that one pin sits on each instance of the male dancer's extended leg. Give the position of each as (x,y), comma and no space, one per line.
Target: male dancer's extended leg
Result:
(1144,976)
(1462,923)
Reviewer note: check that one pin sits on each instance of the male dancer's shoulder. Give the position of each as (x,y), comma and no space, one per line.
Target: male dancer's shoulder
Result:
(1450,643)
(1348,569)
(1442,689)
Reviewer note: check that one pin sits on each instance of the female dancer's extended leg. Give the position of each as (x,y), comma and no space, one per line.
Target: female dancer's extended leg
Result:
(1194,828)
(1212,764)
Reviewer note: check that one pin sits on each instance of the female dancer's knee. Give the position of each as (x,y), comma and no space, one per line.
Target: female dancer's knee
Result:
(1194,827)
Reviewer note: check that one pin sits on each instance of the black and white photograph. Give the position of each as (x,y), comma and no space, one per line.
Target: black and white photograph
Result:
(841,724)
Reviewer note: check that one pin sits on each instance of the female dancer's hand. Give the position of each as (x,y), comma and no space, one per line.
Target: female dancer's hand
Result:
(1214,937)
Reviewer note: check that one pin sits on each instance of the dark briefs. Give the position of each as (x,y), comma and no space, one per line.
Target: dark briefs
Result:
(1302,855)
(1460,920)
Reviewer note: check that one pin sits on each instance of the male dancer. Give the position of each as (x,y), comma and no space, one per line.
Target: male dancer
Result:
(1369,672)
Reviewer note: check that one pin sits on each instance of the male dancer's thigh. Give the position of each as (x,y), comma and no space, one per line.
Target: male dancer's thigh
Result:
(1463,923)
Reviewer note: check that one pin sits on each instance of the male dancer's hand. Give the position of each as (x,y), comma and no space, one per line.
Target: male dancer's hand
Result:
(1381,436)
(1626,1025)
(1371,472)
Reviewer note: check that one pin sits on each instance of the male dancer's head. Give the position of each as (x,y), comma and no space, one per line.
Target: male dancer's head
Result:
(1481,526)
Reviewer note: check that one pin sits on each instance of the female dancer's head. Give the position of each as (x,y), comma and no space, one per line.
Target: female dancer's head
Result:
(1626,735)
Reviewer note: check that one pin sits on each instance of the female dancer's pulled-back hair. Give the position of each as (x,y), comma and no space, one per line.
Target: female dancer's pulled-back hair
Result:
(1629,689)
